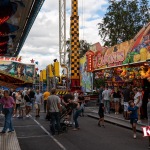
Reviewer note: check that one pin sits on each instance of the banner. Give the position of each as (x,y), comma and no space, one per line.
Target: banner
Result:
(86,78)
(18,69)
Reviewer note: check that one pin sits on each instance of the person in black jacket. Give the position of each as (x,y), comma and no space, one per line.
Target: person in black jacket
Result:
(101,115)
(117,98)
(28,103)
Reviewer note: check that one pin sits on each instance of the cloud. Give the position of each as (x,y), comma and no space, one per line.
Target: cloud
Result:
(42,43)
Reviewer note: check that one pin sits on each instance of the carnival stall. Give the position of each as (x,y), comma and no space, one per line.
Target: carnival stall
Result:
(125,63)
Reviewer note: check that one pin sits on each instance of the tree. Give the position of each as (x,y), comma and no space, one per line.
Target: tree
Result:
(123,20)
(145,11)
(84,47)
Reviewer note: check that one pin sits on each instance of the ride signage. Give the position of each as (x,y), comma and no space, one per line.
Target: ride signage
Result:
(18,59)
(112,59)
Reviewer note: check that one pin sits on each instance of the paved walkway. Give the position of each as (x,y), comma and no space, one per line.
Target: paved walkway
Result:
(115,119)
(9,141)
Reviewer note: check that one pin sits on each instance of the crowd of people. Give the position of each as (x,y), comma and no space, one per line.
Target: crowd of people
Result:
(18,104)
(118,98)
(135,103)
(132,101)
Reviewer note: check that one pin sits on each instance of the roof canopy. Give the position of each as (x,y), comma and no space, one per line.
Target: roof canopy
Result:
(16,20)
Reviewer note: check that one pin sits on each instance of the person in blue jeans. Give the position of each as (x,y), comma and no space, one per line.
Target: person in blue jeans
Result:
(8,105)
(54,107)
(77,111)
(132,111)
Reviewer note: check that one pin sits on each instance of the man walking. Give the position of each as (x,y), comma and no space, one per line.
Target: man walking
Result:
(38,102)
(53,106)
(45,96)
(106,97)
(126,96)
(100,94)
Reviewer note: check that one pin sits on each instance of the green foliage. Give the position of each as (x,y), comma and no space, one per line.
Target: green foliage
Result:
(123,20)
(84,47)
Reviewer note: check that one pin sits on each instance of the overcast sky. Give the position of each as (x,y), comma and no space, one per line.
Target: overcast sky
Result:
(42,43)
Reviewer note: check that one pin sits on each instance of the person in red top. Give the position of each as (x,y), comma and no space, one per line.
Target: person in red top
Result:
(8,105)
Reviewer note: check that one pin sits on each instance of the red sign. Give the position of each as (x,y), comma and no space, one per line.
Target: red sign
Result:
(110,60)
(18,59)
(146,131)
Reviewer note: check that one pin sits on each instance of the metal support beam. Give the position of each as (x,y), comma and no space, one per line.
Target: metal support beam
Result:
(62,31)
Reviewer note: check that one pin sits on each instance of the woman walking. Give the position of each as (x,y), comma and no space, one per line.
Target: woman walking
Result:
(17,107)
(117,98)
(8,105)
(28,103)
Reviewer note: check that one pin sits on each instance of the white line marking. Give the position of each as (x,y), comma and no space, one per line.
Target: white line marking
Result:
(55,140)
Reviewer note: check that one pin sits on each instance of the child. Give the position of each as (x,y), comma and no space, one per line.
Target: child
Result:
(132,111)
(101,115)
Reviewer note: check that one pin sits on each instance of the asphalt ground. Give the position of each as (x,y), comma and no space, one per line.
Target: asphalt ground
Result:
(33,134)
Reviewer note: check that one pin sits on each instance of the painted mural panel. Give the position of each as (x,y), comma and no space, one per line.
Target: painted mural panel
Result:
(18,69)
(141,46)
(86,78)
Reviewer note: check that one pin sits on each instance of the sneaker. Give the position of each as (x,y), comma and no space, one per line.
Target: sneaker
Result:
(75,129)
(139,121)
(115,113)
(134,136)
(18,116)
(11,131)
(27,116)
(2,115)
(14,116)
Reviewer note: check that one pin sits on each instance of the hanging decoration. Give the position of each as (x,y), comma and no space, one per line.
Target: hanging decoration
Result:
(32,61)
(36,62)
(36,69)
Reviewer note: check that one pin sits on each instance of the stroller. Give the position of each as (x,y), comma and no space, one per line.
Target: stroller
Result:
(64,124)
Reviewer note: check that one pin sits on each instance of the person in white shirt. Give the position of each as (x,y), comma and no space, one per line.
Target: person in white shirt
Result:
(138,101)
(106,94)
(76,96)
(38,102)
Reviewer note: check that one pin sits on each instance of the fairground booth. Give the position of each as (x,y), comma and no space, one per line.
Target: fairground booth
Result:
(123,64)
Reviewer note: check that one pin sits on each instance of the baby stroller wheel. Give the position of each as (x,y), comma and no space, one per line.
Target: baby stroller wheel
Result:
(64,128)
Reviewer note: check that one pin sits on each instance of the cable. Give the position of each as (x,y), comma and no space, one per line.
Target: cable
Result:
(83,19)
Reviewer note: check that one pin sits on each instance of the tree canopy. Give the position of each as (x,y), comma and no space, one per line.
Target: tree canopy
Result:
(123,20)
